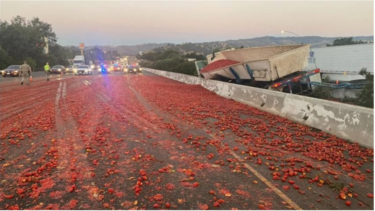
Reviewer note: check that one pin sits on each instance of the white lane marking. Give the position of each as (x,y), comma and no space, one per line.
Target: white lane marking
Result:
(58,79)
(64,90)
(86,82)
(58,94)
(263,179)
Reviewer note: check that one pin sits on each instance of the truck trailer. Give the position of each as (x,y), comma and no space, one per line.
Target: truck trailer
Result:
(79,60)
(342,63)
(273,67)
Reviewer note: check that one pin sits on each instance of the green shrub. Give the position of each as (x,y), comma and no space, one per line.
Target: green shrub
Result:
(366,97)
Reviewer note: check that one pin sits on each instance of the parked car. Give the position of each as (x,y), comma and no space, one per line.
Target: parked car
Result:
(12,70)
(58,69)
(70,69)
(133,69)
(83,70)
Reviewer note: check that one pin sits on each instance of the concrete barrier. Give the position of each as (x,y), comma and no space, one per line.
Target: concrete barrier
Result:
(353,123)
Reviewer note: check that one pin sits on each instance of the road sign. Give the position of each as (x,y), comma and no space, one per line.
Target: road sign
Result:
(81,45)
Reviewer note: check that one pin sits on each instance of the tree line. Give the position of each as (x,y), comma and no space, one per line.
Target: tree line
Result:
(346,41)
(22,39)
(170,60)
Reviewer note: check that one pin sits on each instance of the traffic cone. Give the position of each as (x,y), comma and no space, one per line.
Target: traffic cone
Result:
(31,78)
(337,81)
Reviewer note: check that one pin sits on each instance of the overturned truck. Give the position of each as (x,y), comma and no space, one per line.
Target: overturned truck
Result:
(274,67)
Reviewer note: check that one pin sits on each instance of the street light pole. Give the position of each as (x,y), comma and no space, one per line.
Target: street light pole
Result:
(282,32)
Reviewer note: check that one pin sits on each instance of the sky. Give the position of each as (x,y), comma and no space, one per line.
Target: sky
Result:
(137,22)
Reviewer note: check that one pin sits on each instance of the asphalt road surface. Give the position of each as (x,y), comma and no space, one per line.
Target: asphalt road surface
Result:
(145,142)
(39,75)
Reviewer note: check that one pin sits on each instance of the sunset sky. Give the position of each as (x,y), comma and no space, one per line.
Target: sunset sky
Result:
(129,23)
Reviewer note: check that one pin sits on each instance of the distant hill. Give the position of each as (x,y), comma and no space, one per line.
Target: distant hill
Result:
(207,47)
(131,49)
(315,41)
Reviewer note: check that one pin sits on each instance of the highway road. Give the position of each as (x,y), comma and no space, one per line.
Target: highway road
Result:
(40,75)
(145,142)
